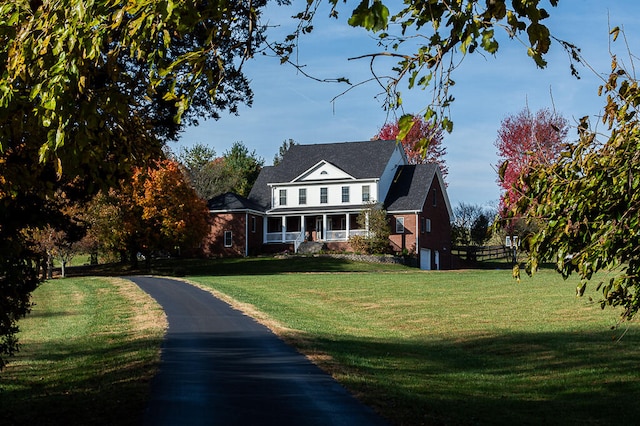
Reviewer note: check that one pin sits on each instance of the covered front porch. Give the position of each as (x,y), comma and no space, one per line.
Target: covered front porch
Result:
(326,227)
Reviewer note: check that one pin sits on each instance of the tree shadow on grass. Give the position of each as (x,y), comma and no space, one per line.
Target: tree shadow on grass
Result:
(234,266)
(77,394)
(561,378)
(503,379)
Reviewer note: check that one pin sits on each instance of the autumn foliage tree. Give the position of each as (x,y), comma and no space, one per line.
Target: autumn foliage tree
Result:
(157,210)
(422,143)
(526,140)
(172,215)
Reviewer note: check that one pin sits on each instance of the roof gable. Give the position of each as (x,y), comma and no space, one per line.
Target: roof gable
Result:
(410,187)
(323,171)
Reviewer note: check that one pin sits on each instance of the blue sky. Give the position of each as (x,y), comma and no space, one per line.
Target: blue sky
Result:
(288,105)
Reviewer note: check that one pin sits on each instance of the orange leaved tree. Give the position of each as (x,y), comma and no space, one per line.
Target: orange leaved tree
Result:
(172,216)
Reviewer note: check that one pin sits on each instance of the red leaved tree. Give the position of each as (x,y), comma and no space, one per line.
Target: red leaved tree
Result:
(524,141)
(422,143)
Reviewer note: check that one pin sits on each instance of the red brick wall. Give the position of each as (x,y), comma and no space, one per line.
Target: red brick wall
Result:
(255,236)
(440,236)
(221,222)
(407,239)
(438,239)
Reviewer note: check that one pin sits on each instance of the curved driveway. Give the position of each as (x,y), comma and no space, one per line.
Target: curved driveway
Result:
(220,367)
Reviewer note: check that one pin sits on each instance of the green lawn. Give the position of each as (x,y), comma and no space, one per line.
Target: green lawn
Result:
(458,347)
(88,351)
(461,347)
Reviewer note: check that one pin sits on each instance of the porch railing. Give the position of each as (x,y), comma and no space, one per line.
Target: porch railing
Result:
(297,242)
(289,237)
(298,237)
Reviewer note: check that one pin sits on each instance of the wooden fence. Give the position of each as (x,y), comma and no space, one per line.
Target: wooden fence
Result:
(479,254)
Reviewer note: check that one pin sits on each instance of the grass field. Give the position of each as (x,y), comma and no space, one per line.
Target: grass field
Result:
(460,347)
(456,347)
(88,351)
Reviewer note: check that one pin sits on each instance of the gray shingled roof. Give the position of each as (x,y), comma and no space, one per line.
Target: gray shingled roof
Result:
(410,187)
(359,159)
(260,193)
(232,202)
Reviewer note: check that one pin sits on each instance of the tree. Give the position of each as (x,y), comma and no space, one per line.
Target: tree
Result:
(172,214)
(286,144)
(422,143)
(89,90)
(241,168)
(200,167)
(587,203)
(524,141)
(470,224)
(157,211)
(53,244)
(376,241)
(113,220)
(480,229)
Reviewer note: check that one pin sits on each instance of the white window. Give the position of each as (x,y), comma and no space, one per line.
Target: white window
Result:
(365,193)
(324,197)
(283,197)
(228,238)
(399,225)
(345,194)
(302,196)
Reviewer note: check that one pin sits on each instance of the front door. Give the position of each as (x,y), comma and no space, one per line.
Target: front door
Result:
(319,228)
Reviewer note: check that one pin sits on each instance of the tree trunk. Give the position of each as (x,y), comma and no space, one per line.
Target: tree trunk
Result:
(49,267)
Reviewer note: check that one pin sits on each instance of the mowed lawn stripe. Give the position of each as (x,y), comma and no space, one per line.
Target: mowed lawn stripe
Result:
(457,347)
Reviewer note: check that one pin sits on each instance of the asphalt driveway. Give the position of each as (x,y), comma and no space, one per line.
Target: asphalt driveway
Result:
(221,367)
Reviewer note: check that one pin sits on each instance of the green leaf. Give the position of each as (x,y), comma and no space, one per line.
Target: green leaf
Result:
(374,18)
(50,104)
(405,124)
(489,43)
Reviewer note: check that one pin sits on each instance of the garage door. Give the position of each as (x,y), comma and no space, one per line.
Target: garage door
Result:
(425,259)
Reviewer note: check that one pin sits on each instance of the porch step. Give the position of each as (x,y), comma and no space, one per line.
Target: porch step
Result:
(311,247)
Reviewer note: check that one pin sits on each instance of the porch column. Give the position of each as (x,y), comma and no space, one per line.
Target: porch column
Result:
(348,225)
(265,228)
(302,227)
(324,227)
(284,228)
